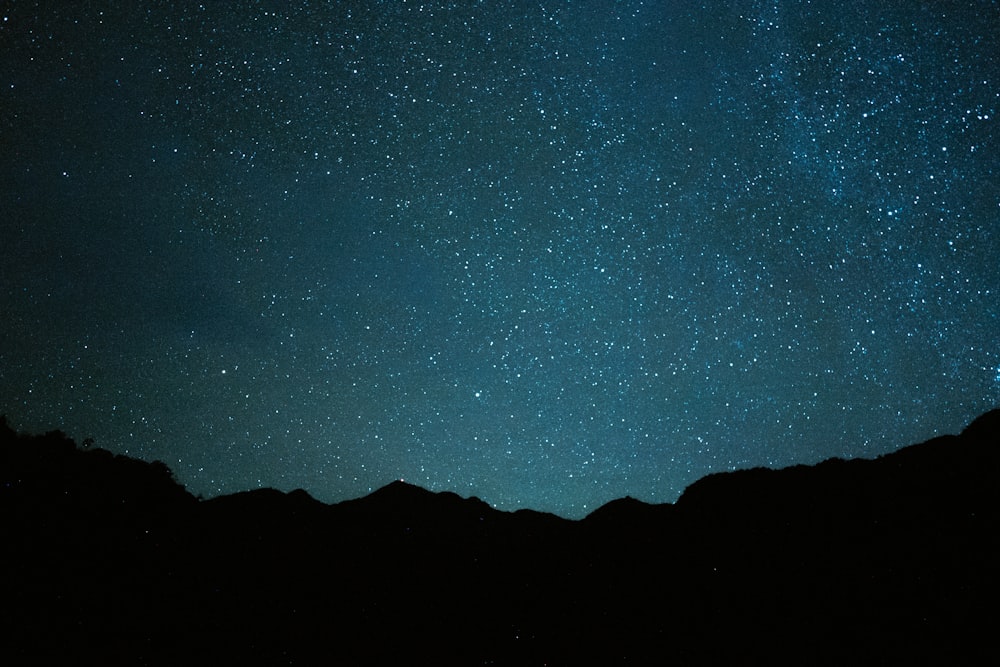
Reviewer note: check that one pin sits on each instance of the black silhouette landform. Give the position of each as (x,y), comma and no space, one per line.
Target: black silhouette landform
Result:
(108,560)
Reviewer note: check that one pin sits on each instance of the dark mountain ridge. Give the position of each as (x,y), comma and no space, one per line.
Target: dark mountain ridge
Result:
(864,561)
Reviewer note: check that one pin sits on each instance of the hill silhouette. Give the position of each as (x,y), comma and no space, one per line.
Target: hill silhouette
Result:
(887,561)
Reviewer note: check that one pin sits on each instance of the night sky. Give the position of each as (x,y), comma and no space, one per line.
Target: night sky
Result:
(546,253)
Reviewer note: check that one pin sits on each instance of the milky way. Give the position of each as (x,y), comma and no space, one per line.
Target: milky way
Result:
(545,253)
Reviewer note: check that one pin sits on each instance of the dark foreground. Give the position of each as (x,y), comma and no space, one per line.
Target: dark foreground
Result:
(106,560)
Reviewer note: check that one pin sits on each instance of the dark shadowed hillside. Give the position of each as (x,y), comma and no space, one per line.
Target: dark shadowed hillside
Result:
(891,561)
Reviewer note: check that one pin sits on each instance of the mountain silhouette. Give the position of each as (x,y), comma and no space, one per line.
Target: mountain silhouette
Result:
(886,561)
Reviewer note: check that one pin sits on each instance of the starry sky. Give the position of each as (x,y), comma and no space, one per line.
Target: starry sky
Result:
(547,253)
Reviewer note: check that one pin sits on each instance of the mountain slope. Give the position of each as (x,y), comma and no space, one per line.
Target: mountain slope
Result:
(882,561)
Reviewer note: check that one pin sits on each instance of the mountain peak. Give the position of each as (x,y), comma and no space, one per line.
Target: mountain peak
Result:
(400,489)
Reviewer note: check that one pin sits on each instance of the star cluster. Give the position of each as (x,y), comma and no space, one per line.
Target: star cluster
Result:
(546,253)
